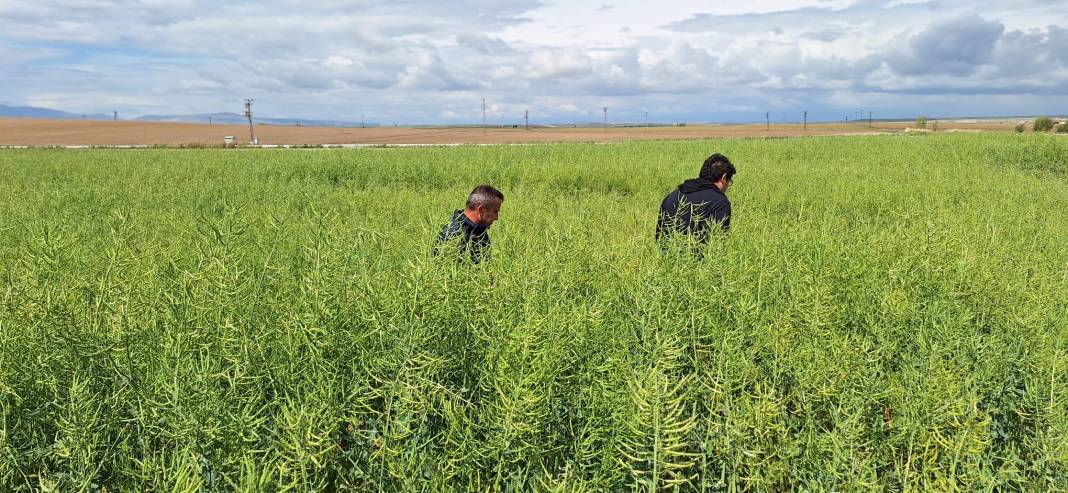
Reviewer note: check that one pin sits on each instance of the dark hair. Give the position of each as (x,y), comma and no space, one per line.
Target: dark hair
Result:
(484,195)
(716,166)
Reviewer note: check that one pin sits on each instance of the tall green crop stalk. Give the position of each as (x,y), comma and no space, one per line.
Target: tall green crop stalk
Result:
(887,313)
(657,451)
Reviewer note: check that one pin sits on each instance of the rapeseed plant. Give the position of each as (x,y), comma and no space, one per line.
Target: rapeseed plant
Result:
(887,312)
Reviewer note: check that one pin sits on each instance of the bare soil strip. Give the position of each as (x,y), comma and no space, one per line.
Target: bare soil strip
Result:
(42,132)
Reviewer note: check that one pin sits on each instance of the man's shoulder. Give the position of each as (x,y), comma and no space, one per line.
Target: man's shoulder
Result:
(710,196)
(672,197)
(452,228)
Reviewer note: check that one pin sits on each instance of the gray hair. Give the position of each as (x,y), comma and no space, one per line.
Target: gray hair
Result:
(484,195)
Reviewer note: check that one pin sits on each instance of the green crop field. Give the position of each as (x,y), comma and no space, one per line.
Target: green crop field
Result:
(887,312)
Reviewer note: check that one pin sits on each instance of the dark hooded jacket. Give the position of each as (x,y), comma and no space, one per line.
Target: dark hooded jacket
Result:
(694,209)
(472,242)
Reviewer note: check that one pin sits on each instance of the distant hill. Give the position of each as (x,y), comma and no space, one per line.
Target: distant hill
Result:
(220,118)
(35,112)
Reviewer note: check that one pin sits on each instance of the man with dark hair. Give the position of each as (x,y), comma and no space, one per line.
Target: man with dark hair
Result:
(699,203)
(468,228)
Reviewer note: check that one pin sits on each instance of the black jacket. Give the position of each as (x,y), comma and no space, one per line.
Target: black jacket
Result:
(692,209)
(472,240)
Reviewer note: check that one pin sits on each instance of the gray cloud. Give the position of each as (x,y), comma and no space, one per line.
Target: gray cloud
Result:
(192,26)
(412,59)
(811,18)
(1019,53)
(702,22)
(825,35)
(486,45)
(17,58)
(1056,41)
(956,47)
(430,71)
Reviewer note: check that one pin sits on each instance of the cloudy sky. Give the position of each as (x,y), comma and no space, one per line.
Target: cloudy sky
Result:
(423,61)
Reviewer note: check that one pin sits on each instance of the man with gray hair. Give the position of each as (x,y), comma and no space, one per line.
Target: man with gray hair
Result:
(468,228)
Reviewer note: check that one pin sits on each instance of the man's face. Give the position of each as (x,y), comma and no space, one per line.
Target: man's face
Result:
(487,214)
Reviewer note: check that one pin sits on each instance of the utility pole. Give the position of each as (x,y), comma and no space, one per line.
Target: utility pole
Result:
(647,120)
(806,120)
(605,119)
(248,114)
(869,118)
(767,121)
(483,116)
(526,119)
(362,124)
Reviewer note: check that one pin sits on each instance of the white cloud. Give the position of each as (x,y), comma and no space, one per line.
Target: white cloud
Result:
(420,60)
(559,64)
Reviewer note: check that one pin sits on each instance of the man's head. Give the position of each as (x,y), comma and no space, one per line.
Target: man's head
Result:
(483,205)
(718,170)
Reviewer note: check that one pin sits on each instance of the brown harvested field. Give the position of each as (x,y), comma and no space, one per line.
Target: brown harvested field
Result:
(42,132)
